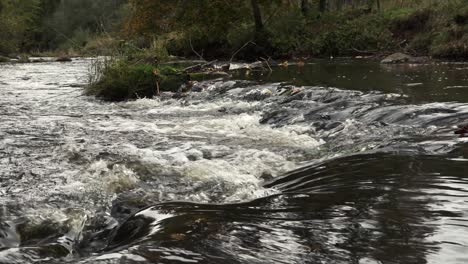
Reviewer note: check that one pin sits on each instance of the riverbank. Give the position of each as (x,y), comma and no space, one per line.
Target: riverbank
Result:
(438,30)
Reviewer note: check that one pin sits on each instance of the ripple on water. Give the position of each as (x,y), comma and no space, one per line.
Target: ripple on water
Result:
(80,165)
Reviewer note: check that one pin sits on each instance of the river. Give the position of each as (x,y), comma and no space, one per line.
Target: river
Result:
(334,162)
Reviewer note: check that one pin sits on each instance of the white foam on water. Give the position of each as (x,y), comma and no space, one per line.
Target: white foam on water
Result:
(121,256)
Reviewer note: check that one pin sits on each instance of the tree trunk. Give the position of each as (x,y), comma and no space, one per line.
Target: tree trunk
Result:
(305,7)
(257,16)
(322,5)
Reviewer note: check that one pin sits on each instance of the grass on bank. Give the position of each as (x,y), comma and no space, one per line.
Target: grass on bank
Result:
(432,28)
(119,79)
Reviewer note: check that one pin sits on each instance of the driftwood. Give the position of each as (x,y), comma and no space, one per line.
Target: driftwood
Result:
(200,67)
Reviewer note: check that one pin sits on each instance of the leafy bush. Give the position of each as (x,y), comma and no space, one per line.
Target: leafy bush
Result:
(118,80)
(4,59)
(101,45)
(342,34)
(420,44)
(121,79)
(287,33)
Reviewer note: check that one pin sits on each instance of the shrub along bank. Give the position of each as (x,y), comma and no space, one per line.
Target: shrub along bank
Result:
(432,28)
(122,79)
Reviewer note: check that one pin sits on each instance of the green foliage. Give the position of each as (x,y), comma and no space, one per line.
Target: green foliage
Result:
(439,29)
(102,45)
(15,19)
(4,59)
(121,79)
(118,80)
(329,36)
(421,43)
(288,33)
(398,13)
(41,25)
(219,28)
(73,23)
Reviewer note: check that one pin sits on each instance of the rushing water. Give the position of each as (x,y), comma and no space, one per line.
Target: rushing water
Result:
(263,168)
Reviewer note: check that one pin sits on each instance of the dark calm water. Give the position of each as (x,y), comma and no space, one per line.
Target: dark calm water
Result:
(422,83)
(334,162)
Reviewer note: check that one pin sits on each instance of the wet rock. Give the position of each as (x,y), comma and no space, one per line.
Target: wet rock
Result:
(222,110)
(258,95)
(194,155)
(127,204)
(207,154)
(267,176)
(462,130)
(404,58)
(196,87)
(9,238)
(277,117)
(135,227)
(288,90)
(396,58)
(63,59)
(96,232)
(293,97)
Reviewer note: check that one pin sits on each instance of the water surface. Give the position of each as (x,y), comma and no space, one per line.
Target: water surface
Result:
(313,164)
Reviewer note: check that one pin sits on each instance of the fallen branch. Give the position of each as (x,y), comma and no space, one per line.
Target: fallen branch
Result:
(368,52)
(194,51)
(241,48)
(199,67)
(268,64)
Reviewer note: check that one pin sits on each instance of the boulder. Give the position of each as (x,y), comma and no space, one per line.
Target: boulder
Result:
(404,58)
(397,58)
